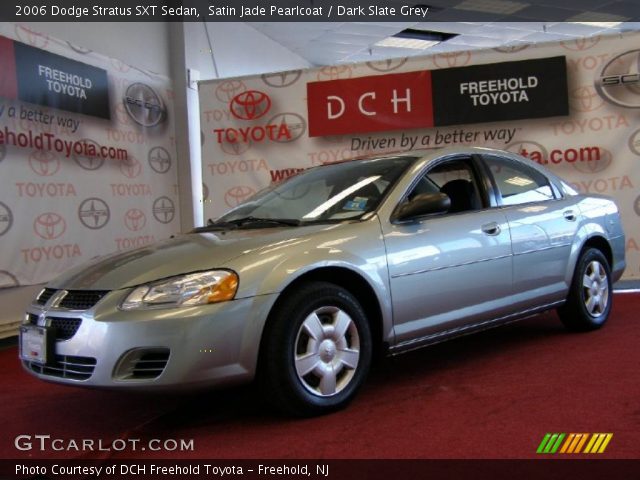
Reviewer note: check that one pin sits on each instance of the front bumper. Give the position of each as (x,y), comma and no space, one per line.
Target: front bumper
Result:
(206,345)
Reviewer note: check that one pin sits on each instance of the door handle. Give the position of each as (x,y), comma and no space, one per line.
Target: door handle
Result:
(491,228)
(569,215)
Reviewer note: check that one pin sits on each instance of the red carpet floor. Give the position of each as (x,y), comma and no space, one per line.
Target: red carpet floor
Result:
(492,395)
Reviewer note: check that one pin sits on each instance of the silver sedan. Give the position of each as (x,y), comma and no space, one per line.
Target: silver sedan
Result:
(302,284)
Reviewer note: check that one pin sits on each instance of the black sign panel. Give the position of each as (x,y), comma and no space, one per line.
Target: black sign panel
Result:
(48,79)
(500,91)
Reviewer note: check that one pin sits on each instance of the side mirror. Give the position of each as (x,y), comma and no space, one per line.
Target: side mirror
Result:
(422,205)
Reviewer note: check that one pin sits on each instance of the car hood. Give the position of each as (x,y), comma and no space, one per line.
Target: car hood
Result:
(182,254)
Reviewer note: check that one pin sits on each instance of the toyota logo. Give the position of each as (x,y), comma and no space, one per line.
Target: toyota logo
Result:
(120,65)
(79,49)
(387,65)
(135,219)
(295,193)
(580,44)
(159,160)
(335,72)
(585,99)
(227,90)
(44,164)
(49,226)
(453,59)
(235,148)
(164,210)
(250,105)
(94,213)
(597,165)
(529,147)
(238,194)
(88,162)
(294,122)
(8,280)
(144,105)
(634,142)
(35,39)
(6,219)
(281,79)
(512,48)
(130,167)
(619,81)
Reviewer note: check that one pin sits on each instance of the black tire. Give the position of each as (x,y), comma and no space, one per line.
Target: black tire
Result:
(288,337)
(578,314)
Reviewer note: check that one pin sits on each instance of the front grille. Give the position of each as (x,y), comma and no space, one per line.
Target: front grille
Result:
(66,366)
(65,327)
(74,299)
(82,299)
(142,364)
(45,295)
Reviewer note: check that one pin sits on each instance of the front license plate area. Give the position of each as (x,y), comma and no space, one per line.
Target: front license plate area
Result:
(36,344)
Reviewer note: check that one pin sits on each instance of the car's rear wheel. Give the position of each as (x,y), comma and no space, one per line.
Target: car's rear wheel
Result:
(590,297)
(316,351)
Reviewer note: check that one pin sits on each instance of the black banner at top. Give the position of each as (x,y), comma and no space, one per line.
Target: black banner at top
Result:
(298,11)
(500,91)
(48,79)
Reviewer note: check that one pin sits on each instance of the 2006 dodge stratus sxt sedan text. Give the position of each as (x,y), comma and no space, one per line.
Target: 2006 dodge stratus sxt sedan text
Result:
(302,283)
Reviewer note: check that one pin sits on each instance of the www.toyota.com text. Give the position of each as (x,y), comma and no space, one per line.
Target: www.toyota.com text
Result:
(47,443)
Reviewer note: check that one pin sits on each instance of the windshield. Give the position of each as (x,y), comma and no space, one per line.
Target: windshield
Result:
(334,192)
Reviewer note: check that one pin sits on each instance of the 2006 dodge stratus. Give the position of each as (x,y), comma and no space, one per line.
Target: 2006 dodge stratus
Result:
(302,283)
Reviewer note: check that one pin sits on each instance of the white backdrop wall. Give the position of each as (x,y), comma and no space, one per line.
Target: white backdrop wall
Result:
(56,210)
(234,170)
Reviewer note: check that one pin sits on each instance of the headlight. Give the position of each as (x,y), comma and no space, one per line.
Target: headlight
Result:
(185,290)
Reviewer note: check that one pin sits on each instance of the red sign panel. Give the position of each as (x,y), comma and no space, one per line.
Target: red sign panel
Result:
(370,104)
(8,81)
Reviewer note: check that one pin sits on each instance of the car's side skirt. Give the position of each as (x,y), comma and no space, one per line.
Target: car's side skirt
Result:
(445,335)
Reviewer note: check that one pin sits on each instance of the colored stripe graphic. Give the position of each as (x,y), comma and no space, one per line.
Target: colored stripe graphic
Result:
(573,443)
(543,443)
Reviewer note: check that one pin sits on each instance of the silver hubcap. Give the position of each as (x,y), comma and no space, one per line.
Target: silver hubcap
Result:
(327,351)
(596,289)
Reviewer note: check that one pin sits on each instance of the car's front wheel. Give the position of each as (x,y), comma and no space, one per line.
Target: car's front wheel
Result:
(316,350)
(590,297)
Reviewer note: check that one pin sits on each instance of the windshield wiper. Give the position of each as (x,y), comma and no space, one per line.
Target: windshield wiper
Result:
(248,221)
(241,222)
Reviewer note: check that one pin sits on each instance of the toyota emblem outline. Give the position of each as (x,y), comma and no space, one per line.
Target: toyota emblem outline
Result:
(287,78)
(250,105)
(80,159)
(293,128)
(226,90)
(131,167)
(388,65)
(135,219)
(238,194)
(49,225)
(39,161)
